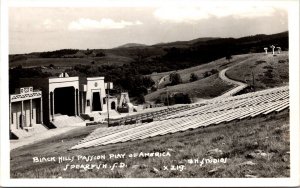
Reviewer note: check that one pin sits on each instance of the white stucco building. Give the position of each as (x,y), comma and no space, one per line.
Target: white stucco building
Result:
(71,96)
(25,110)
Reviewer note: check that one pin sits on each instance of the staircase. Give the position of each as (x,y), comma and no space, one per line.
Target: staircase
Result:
(112,113)
(100,117)
(66,121)
(21,133)
(29,131)
(97,117)
(40,128)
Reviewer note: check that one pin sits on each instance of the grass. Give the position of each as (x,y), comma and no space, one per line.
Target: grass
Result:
(236,139)
(203,88)
(110,59)
(201,69)
(269,71)
(209,87)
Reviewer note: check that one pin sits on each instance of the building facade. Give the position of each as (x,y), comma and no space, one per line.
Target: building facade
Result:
(71,96)
(25,109)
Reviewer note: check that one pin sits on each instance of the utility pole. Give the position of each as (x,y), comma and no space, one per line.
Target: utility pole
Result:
(253,80)
(167,96)
(107,101)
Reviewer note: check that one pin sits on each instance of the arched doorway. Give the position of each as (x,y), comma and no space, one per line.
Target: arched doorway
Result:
(96,102)
(64,101)
(113,105)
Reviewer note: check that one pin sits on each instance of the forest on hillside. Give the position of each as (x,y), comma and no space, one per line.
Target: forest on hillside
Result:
(147,60)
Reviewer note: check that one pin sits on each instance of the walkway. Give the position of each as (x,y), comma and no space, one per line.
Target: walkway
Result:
(39,137)
(240,85)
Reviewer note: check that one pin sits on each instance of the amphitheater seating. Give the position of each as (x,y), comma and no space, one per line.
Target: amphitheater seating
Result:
(202,114)
(149,116)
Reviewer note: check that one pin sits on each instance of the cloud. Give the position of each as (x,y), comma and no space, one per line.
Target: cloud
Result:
(105,23)
(191,14)
(50,24)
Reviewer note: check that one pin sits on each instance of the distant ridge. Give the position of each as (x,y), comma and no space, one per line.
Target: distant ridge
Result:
(158,57)
(189,42)
(129,45)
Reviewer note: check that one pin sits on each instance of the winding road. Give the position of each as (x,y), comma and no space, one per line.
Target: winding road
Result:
(239,85)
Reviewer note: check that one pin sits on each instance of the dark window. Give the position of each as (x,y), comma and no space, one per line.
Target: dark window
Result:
(12,118)
(88,102)
(104,101)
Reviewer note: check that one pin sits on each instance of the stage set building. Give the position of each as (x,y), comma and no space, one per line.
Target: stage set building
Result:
(25,109)
(57,96)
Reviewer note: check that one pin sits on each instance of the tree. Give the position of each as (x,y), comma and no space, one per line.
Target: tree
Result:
(182,98)
(175,78)
(147,81)
(100,54)
(193,77)
(214,71)
(228,57)
(51,66)
(140,99)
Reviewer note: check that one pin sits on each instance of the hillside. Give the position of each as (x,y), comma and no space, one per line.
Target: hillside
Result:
(130,45)
(267,134)
(205,88)
(157,58)
(199,70)
(126,66)
(269,71)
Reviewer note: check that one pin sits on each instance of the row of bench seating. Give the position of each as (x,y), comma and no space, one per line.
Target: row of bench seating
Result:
(150,116)
(208,113)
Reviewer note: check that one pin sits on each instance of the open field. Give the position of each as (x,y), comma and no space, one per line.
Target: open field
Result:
(110,59)
(269,71)
(257,147)
(205,88)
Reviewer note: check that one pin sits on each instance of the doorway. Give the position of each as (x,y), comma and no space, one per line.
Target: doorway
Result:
(64,101)
(113,105)
(96,103)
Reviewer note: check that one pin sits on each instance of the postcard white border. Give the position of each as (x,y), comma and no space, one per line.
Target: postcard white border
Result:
(294,180)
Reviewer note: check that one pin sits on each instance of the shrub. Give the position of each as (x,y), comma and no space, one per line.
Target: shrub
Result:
(181,98)
(175,79)
(214,71)
(193,77)
(267,67)
(100,54)
(281,61)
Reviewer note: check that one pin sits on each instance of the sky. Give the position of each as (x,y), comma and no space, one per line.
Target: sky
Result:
(37,29)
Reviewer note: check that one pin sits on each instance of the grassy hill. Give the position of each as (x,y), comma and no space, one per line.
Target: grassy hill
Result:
(67,61)
(125,66)
(205,88)
(130,45)
(199,70)
(237,140)
(158,58)
(269,71)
